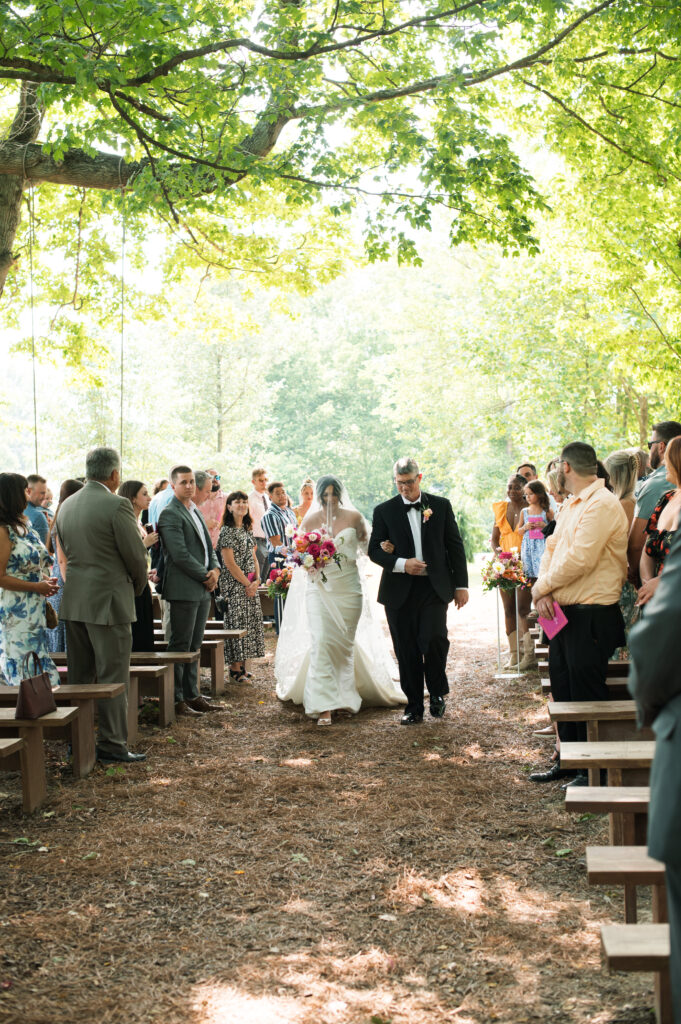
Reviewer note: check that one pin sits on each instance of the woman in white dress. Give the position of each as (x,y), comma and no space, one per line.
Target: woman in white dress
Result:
(332,656)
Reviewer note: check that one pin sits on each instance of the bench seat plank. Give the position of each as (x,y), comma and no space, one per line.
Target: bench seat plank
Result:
(613,754)
(636,947)
(612,864)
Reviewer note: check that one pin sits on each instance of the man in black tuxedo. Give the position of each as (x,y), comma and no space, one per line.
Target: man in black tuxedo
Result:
(415,539)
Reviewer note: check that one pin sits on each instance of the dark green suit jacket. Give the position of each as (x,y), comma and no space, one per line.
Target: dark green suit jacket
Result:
(184,554)
(655,684)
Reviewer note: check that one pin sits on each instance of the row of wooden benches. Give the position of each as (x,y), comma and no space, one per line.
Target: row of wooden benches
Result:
(151,674)
(616,746)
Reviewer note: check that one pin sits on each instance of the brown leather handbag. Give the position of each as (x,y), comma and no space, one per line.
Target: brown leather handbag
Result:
(35,692)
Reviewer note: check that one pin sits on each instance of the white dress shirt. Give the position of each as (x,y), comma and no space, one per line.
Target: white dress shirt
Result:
(414,517)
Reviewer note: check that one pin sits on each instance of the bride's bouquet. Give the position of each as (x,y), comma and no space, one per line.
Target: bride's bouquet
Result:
(313,550)
(504,571)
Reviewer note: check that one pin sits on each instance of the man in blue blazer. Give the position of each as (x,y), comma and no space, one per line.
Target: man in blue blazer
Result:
(190,574)
(655,684)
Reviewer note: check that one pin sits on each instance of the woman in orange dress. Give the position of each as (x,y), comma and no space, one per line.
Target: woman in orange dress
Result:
(506,537)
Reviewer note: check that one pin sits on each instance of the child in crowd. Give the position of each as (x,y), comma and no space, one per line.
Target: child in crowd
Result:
(532,521)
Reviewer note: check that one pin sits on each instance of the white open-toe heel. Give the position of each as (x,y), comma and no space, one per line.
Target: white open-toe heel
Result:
(324,721)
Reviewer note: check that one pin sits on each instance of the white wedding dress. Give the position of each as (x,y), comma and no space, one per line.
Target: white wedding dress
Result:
(332,654)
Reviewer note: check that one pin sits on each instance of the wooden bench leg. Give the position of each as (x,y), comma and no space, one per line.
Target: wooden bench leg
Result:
(133,708)
(32,761)
(660,912)
(217,670)
(630,912)
(664,1012)
(166,697)
(83,738)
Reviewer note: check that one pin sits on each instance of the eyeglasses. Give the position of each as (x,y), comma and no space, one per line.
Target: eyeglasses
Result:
(406,483)
(651,443)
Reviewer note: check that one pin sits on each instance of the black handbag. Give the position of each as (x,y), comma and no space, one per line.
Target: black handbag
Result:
(35,692)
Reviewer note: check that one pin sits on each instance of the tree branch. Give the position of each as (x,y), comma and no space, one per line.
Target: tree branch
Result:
(652,319)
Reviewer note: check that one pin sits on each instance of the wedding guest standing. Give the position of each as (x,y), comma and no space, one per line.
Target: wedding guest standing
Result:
(306,496)
(623,469)
(56,638)
(506,536)
(106,566)
(239,582)
(143,628)
(23,588)
(258,504)
(583,569)
(213,507)
(533,519)
(274,523)
(651,490)
(190,576)
(662,525)
(655,684)
(35,513)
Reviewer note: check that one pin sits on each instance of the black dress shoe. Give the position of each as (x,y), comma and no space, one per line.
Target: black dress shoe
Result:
(411,718)
(437,707)
(554,773)
(580,779)
(128,757)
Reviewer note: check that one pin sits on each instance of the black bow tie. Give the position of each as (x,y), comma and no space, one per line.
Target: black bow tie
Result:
(418,505)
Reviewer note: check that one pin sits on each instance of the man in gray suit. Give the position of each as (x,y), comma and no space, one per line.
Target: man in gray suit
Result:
(190,574)
(106,566)
(655,684)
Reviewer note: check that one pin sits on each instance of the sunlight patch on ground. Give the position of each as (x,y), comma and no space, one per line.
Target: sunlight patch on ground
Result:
(298,762)
(223,1004)
(161,782)
(458,890)
(526,905)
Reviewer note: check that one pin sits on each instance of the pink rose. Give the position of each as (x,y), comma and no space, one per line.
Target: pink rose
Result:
(314,549)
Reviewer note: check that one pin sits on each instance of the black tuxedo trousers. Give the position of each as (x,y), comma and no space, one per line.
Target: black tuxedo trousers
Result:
(419,633)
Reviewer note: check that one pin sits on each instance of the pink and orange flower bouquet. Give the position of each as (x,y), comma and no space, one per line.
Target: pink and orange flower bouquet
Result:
(313,550)
(504,571)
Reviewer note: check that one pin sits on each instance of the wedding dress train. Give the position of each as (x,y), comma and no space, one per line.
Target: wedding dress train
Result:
(332,653)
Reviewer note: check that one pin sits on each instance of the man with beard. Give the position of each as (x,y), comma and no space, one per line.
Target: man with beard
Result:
(650,493)
(583,569)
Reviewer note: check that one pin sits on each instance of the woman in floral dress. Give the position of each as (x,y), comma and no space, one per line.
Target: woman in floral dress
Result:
(239,582)
(23,588)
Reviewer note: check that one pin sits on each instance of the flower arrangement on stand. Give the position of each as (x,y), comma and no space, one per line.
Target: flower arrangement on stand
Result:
(279,581)
(504,571)
(313,550)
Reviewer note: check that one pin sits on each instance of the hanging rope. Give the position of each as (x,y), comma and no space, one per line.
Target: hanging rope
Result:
(120,179)
(31,239)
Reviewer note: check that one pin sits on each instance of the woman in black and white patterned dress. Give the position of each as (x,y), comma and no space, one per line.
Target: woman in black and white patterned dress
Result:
(239,582)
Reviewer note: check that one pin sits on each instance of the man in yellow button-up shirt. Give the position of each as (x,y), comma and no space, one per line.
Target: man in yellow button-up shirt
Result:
(583,569)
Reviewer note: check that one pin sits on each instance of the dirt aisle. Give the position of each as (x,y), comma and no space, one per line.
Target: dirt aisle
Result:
(260,870)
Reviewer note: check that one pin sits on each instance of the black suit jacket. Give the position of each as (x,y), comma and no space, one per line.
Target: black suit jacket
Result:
(443,549)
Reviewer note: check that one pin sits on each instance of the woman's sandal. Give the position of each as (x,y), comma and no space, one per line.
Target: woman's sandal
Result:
(237,675)
(324,721)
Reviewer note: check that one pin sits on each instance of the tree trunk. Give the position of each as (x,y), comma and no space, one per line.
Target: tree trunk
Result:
(24,131)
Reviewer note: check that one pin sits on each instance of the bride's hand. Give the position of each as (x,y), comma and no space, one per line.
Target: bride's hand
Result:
(388,546)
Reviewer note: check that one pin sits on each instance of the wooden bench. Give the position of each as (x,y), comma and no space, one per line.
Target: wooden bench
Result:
(213,655)
(626,761)
(81,731)
(30,758)
(605,719)
(615,669)
(626,807)
(642,947)
(629,866)
(617,688)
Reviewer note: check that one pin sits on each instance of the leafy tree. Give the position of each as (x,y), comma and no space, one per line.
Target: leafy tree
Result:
(232,124)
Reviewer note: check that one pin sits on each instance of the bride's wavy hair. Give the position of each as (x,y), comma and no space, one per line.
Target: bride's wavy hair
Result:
(328,481)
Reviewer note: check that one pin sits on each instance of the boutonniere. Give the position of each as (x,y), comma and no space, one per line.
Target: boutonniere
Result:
(426,513)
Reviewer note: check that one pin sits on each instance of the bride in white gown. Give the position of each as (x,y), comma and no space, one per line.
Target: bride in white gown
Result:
(332,654)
